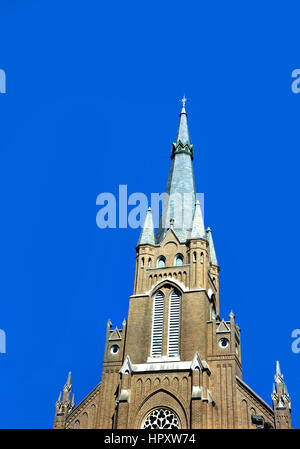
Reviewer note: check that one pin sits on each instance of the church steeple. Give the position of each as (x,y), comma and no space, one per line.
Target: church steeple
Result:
(180,196)
(64,404)
(183,131)
(153,376)
(147,234)
(281,401)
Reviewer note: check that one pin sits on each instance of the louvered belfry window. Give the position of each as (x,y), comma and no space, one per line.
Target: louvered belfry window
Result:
(174,323)
(158,324)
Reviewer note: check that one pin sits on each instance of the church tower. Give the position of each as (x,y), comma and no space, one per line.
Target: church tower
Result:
(175,363)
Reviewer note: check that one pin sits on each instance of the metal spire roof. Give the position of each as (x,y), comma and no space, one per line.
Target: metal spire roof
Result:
(147,234)
(278,368)
(198,229)
(183,131)
(212,252)
(180,198)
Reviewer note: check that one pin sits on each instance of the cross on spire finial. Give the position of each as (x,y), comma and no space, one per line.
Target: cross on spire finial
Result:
(183,101)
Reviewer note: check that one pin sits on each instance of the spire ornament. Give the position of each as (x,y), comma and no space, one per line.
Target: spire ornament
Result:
(183,101)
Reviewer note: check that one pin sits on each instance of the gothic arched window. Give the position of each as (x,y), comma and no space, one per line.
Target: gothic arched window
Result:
(158,324)
(179,260)
(161,262)
(174,323)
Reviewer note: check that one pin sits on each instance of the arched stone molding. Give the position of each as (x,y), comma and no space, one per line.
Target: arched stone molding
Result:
(175,283)
(164,399)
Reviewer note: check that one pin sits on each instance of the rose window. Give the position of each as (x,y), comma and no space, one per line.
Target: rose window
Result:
(162,419)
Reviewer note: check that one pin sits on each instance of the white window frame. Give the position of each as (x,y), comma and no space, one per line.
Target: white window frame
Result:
(174,323)
(158,324)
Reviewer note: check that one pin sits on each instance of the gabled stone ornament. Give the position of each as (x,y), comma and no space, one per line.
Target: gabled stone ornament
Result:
(115,335)
(197,362)
(127,366)
(280,405)
(170,234)
(147,236)
(222,328)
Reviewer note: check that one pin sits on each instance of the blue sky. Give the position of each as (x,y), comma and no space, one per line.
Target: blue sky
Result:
(92,102)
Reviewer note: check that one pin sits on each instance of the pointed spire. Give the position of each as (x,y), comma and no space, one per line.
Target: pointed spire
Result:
(147,234)
(278,376)
(183,132)
(280,394)
(179,201)
(69,379)
(198,229)
(278,368)
(67,389)
(212,252)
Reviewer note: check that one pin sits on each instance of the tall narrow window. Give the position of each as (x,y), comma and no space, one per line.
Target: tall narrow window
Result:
(158,324)
(174,323)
